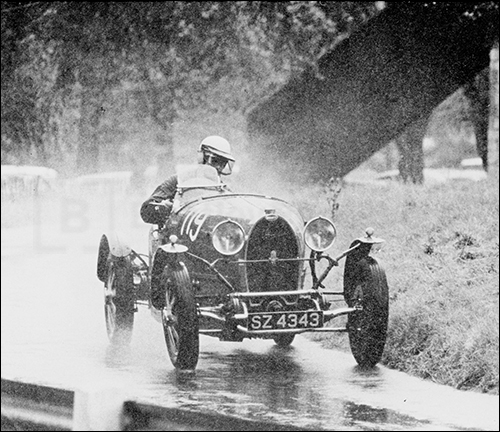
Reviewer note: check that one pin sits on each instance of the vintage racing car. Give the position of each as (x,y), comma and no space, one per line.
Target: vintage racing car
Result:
(235,266)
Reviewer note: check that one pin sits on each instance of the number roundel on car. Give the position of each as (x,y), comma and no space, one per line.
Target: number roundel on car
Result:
(228,237)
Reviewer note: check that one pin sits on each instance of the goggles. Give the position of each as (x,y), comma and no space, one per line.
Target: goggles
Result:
(214,160)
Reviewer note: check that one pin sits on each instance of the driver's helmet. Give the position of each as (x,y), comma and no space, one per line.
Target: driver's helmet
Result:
(216,151)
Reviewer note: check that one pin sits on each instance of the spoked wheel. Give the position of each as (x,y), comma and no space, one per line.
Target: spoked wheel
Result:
(284,340)
(365,283)
(180,319)
(119,303)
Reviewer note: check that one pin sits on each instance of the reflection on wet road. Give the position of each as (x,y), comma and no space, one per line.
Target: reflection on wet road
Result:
(53,333)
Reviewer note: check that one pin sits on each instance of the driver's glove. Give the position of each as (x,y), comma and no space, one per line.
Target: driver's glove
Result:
(156,213)
(162,211)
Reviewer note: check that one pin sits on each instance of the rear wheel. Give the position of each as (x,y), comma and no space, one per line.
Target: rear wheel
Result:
(119,307)
(366,285)
(180,319)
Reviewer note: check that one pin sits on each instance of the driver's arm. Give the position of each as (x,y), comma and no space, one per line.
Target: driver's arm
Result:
(153,213)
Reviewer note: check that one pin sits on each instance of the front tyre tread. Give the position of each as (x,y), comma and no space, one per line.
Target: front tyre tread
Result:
(367,328)
(180,319)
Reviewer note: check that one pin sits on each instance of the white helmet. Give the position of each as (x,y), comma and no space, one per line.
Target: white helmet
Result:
(219,146)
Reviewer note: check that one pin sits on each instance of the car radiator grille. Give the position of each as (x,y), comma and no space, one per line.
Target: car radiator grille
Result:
(266,237)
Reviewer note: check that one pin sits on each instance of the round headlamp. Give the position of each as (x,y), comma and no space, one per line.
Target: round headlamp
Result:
(319,234)
(228,237)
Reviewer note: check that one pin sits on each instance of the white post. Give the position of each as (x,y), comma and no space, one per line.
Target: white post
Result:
(98,409)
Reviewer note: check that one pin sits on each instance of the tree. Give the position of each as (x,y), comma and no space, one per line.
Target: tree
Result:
(373,85)
(173,52)
(67,61)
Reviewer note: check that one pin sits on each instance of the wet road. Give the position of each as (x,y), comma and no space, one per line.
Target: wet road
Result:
(53,333)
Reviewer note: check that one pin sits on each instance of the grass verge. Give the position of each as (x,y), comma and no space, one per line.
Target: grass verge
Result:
(441,259)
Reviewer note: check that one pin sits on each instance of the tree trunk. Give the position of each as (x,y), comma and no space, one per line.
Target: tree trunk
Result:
(494,109)
(388,74)
(477,92)
(409,143)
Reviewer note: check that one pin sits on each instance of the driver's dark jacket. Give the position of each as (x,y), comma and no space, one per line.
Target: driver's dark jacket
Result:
(165,191)
(157,214)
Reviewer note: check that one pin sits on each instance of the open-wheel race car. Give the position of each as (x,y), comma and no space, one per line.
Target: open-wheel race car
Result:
(235,266)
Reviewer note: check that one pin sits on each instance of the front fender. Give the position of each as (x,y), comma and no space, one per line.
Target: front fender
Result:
(162,261)
(102,259)
(364,245)
(110,247)
(118,246)
(355,258)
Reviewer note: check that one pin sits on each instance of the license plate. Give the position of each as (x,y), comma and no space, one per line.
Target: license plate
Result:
(285,320)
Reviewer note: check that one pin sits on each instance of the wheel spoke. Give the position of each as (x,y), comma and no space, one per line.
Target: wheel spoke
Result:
(110,316)
(174,337)
(119,312)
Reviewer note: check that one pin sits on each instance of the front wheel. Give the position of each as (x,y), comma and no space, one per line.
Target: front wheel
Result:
(119,307)
(366,285)
(180,319)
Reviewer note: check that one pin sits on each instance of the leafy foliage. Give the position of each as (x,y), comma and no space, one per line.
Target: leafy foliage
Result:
(64,63)
(170,56)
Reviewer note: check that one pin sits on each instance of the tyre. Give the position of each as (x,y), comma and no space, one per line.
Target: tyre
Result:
(119,304)
(180,319)
(102,259)
(284,340)
(365,284)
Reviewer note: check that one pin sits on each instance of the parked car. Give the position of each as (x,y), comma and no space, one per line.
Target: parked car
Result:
(234,266)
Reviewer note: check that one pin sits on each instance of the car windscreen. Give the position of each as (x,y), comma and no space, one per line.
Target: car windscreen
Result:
(197,181)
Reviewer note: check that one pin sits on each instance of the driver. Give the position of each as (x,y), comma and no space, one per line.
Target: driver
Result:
(214,151)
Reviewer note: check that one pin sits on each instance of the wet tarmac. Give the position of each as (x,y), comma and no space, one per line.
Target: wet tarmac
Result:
(53,333)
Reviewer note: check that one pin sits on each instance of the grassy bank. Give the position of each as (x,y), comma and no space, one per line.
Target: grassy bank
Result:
(441,257)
